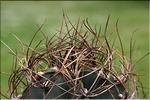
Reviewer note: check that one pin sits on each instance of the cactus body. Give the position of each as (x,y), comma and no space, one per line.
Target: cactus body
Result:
(62,90)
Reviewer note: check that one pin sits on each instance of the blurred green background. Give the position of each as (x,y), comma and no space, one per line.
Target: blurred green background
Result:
(21,18)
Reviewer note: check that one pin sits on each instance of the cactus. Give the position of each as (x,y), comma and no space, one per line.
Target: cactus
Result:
(77,63)
(69,91)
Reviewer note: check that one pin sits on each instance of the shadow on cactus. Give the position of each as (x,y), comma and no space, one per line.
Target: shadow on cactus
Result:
(76,63)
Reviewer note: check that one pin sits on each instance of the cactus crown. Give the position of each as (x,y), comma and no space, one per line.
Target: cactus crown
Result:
(77,62)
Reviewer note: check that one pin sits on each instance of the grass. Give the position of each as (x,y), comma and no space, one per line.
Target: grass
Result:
(20,18)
